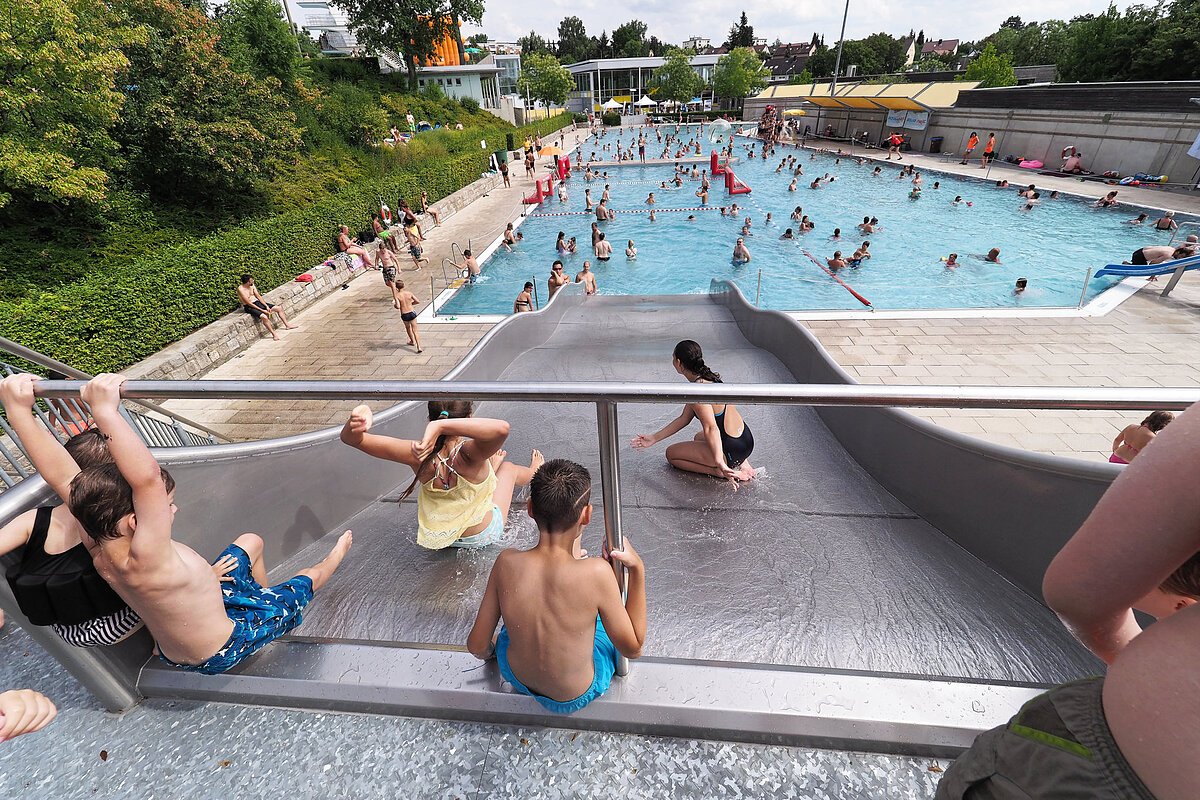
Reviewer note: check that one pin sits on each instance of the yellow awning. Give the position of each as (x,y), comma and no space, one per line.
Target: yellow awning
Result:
(875,97)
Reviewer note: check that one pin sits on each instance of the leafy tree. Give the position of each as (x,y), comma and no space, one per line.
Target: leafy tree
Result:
(741,34)
(478,39)
(601,48)
(543,78)
(629,40)
(1013,23)
(739,73)
(803,79)
(920,40)
(887,52)
(931,63)
(412,28)
(533,43)
(991,69)
(675,79)
(654,47)
(1173,52)
(190,121)
(59,59)
(820,63)
(574,45)
(255,39)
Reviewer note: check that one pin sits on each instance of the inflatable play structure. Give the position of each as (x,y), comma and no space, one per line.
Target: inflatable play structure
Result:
(714,165)
(733,185)
(563,167)
(719,131)
(542,189)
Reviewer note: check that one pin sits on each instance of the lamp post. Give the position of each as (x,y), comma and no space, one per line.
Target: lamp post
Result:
(837,64)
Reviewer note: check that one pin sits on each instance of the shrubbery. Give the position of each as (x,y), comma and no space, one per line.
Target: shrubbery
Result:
(611,118)
(109,319)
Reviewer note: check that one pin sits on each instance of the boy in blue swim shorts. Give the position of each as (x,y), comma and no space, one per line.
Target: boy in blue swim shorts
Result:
(204,618)
(564,621)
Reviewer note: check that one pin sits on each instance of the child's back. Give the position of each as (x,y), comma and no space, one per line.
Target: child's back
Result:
(564,620)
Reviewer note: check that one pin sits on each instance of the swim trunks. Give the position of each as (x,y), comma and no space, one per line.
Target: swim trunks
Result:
(1058,745)
(1139,257)
(389,274)
(604,661)
(258,308)
(259,615)
(408,316)
(486,537)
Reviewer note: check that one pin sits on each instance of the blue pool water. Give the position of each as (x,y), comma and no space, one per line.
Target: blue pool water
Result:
(1053,245)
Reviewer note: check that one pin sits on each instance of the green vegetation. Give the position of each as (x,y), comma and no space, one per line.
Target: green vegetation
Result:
(161,152)
(675,80)
(543,78)
(739,73)
(991,69)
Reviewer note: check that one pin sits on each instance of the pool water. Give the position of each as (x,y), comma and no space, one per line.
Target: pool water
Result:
(1052,246)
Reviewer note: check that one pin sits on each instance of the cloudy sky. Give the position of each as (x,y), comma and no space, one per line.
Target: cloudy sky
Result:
(790,21)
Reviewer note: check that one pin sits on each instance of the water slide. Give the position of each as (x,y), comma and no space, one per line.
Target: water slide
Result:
(1148,270)
(877,588)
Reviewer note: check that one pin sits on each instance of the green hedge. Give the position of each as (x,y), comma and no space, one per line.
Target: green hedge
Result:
(110,319)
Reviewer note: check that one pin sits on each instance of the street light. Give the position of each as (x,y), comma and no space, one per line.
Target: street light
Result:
(837,64)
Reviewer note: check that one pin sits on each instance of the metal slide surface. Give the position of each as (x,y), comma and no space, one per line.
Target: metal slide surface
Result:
(815,564)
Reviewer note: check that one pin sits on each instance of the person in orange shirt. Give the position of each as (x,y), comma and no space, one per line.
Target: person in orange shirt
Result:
(987,150)
(972,143)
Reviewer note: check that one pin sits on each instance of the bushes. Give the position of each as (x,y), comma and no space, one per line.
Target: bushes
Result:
(109,320)
(469,103)
(611,118)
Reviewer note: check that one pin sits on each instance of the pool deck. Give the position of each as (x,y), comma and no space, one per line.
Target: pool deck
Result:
(1147,341)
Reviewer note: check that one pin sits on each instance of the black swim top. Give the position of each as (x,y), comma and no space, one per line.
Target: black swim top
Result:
(736,448)
(59,588)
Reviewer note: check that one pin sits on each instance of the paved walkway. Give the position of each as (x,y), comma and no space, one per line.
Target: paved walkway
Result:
(1148,341)
(356,334)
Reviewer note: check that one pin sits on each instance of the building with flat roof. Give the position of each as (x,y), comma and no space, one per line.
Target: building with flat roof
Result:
(480,82)
(622,79)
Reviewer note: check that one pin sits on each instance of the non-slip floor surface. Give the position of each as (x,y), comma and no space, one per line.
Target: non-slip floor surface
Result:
(813,564)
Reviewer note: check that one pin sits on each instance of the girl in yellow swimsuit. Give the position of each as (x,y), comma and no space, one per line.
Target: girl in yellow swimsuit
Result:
(464,485)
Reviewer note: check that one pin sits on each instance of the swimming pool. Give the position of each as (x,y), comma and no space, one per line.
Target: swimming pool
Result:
(1053,246)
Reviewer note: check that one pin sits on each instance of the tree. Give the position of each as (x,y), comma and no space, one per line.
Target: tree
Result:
(190,121)
(739,73)
(59,59)
(741,34)
(931,63)
(803,79)
(676,80)
(820,63)
(601,47)
(478,39)
(256,40)
(991,69)
(412,28)
(888,54)
(629,40)
(533,43)
(574,45)
(1173,52)
(1013,23)
(543,78)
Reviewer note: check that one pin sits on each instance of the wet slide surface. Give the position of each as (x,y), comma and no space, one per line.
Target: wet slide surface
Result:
(814,564)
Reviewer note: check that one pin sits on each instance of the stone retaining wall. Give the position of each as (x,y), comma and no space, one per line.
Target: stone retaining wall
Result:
(216,343)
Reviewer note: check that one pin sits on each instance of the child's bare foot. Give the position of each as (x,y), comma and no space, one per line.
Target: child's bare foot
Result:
(536,460)
(340,549)
(275,336)
(292,327)
(498,459)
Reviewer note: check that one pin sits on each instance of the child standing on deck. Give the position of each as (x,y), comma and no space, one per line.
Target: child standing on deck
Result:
(565,612)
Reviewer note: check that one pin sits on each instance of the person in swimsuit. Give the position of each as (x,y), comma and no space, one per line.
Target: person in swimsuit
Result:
(408,315)
(1133,438)
(464,486)
(253,304)
(524,301)
(723,447)
(81,607)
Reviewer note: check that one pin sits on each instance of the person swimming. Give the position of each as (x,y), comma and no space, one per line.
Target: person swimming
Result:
(464,486)
(951,260)
(717,450)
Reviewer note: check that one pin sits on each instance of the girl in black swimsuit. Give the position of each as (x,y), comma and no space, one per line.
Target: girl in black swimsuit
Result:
(722,448)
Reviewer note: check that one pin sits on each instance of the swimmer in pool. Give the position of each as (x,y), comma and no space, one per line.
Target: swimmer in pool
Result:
(722,448)
(866,226)
(741,253)
(862,252)
(650,199)
(792,185)
(787,234)
(631,251)
(837,235)
(816,184)
(951,260)
(993,256)
(837,262)
(1022,284)
(1138,220)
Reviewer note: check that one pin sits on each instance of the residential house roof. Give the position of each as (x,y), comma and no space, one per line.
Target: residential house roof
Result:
(942,47)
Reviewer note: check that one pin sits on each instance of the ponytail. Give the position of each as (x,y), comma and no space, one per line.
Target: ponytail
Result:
(438,409)
(691,357)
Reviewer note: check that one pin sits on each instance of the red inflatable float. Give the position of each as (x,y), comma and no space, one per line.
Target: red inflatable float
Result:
(733,185)
(714,166)
(543,189)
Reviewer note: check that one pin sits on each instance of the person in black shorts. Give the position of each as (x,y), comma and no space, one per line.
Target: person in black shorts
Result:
(254,305)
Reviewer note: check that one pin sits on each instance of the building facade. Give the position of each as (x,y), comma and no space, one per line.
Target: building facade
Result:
(624,80)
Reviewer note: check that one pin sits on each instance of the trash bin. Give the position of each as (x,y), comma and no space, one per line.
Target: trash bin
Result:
(511,142)
(502,156)
(935,143)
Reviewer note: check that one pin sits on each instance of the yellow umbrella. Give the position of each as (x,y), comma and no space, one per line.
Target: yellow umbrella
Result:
(795,112)
(551,151)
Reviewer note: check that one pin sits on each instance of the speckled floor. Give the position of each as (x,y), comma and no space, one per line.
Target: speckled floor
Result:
(208,750)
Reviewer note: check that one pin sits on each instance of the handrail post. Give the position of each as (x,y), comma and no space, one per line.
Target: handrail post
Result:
(758,291)
(433,296)
(1086,281)
(537,304)
(610,487)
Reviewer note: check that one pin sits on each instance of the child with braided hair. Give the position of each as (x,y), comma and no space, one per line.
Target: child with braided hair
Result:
(722,448)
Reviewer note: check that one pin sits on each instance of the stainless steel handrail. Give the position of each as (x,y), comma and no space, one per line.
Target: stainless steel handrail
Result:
(34,357)
(1027,397)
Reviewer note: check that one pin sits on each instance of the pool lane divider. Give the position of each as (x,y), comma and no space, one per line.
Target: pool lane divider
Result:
(630,211)
(833,275)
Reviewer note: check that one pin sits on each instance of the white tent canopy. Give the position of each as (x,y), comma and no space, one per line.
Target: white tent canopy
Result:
(611,104)
(645,101)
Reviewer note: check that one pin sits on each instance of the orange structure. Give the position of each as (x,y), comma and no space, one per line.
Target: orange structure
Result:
(445,52)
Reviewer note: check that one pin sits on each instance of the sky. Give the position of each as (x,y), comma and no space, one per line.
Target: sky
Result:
(507,20)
